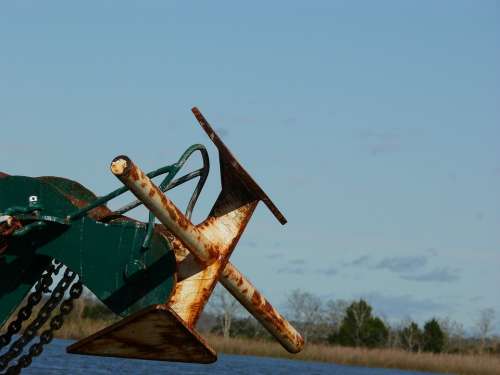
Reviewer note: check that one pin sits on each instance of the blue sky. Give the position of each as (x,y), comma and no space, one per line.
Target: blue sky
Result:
(374,126)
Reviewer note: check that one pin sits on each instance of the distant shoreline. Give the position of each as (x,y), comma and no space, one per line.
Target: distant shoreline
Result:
(462,364)
(380,358)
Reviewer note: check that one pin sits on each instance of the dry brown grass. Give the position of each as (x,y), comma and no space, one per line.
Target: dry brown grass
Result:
(76,328)
(386,358)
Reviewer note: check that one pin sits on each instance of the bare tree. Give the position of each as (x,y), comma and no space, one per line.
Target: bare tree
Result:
(484,325)
(334,313)
(305,309)
(411,336)
(225,307)
(454,334)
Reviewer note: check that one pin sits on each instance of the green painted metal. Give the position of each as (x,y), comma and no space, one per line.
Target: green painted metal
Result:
(127,264)
(101,253)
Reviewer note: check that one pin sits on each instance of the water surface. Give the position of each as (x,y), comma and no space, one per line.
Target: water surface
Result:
(55,361)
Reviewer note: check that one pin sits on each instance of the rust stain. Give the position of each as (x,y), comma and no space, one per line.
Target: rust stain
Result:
(256,298)
(133,174)
(6,231)
(99,213)
(213,241)
(230,161)
(154,333)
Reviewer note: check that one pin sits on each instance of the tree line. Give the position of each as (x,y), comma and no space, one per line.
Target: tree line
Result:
(354,324)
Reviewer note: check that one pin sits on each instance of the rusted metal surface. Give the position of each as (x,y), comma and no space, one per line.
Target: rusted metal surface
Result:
(261,309)
(155,333)
(202,251)
(164,209)
(226,156)
(8,225)
(197,282)
(224,226)
(199,274)
(161,331)
(79,196)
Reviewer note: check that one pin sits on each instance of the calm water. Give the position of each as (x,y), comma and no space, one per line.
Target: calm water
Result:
(54,360)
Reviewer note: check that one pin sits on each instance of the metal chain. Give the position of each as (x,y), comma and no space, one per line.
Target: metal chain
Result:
(17,347)
(42,286)
(46,337)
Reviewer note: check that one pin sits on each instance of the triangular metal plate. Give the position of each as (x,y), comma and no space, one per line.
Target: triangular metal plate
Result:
(154,333)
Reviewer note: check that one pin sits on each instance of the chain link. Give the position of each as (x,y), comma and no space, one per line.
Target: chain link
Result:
(55,323)
(33,299)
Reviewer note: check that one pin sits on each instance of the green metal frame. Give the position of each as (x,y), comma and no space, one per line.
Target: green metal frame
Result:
(127,264)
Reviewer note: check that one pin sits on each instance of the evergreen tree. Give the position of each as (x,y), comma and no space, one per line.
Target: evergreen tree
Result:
(360,328)
(433,337)
(377,333)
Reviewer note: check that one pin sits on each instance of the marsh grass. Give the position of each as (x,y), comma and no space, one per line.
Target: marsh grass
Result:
(386,358)
(76,326)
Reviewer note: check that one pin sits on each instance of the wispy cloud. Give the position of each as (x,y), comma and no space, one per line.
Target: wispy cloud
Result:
(476,299)
(411,268)
(402,305)
(274,256)
(328,271)
(292,270)
(363,260)
(439,275)
(402,264)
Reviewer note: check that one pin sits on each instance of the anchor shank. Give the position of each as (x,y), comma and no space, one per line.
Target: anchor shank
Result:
(261,309)
(206,253)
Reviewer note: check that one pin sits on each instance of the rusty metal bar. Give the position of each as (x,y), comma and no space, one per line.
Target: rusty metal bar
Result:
(206,253)
(261,309)
(164,209)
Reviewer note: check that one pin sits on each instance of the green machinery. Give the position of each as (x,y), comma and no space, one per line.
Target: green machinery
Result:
(158,277)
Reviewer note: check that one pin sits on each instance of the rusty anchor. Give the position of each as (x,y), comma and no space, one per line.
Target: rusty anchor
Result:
(168,270)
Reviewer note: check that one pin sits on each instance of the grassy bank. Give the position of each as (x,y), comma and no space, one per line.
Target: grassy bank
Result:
(76,328)
(387,358)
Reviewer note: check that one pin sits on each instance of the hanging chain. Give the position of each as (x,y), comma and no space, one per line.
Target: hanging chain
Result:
(55,323)
(42,286)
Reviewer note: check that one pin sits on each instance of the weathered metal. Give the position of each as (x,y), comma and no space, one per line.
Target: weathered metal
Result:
(163,208)
(158,277)
(228,161)
(155,333)
(8,225)
(80,244)
(207,260)
(43,316)
(261,309)
(211,242)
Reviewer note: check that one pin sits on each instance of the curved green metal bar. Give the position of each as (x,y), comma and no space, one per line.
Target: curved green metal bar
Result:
(164,186)
(167,184)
